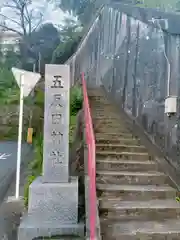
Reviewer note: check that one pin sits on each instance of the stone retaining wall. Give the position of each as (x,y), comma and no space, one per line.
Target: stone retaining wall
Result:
(9,118)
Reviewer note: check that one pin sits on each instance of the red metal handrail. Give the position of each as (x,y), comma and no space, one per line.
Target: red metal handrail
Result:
(90,141)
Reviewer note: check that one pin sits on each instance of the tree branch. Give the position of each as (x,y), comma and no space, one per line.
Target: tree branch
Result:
(10,19)
(37,24)
(9,6)
(26,20)
(10,29)
(28,16)
(23,20)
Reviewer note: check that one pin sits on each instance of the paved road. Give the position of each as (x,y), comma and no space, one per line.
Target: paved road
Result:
(8,157)
(8,217)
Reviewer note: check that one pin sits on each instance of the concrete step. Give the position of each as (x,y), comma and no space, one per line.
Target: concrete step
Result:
(96,95)
(139,210)
(111,124)
(110,164)
(104,112)
(107,129)
(120,147)
(135,192)
(134,178)
(123,155)
(136,201)
(122,141)
(114,136)
(107,120)
(113,127)
(102,107)
(98,114)
(104,102)
(114,124)
(141,230)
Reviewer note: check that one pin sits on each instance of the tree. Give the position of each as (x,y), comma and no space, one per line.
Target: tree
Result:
(11,59)
(84,9)
(43,42)
(20,17)
(69,29)
(71,35)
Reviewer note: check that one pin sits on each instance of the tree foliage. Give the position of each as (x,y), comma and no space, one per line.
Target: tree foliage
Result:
(43,42)
(20,17)
(71,35)
(8,87)
(46,44)
(84,9)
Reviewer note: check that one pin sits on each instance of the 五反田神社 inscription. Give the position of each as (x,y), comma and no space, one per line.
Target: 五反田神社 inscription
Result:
(57,101)
(55,153)
(56,130)
(56,156)
(56,118)
(57,82)
(56,137)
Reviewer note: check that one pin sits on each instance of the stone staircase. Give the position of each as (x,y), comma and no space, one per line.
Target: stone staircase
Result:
(136,199)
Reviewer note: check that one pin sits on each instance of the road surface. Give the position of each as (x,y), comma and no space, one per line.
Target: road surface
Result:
(8,217)
(8,159)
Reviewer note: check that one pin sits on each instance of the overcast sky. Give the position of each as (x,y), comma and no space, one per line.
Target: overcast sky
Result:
(51,14)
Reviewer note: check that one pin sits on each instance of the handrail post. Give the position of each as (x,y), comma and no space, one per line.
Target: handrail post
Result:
(90,142)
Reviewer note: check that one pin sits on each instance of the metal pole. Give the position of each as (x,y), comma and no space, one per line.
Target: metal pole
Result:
(34,67)
(39,63)
(32,96)
(20,135)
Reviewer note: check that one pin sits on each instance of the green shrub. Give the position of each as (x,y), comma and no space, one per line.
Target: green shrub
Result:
(39,98)
(9,91)
(30,179)
(76,100)
(35,166)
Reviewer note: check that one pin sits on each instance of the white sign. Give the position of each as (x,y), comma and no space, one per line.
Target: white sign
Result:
(4,156)
(30,79)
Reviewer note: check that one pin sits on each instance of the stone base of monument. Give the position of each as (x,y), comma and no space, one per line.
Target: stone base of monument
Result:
(31,228)
(52,210)
(54,200)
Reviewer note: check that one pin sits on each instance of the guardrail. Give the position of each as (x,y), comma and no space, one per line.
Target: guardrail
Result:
(90,141)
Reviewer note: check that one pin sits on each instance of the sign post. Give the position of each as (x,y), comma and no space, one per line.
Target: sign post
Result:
(21,103)
(26,81)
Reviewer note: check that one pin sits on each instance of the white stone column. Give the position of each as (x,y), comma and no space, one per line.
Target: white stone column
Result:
(56,124)
(53,197)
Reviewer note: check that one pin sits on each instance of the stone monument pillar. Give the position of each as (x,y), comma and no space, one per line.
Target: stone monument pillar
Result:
(53,197)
